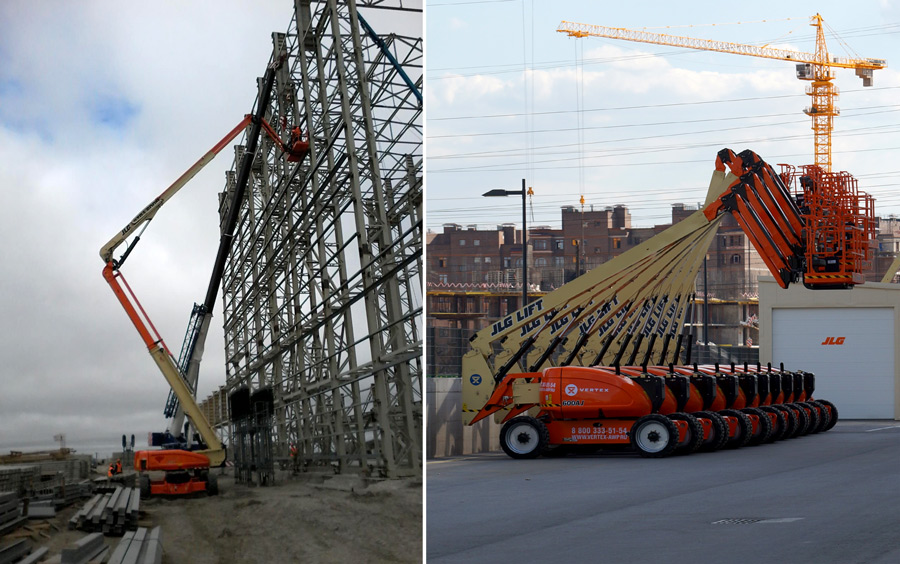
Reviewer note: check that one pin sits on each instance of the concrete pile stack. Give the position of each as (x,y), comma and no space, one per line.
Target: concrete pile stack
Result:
(89,548)
(19,477)
(69,493)
(18,552)
(9,513)
(143,546)
(110,513)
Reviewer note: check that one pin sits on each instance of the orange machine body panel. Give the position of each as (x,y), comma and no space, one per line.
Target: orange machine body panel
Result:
(168,460)
(575,392)
(590,431)
(161,487)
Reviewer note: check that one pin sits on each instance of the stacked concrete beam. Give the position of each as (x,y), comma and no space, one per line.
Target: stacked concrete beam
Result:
(72,492)
(9,513)
(142,546)
(14,551)
(111,513)
(19,477)
(85,549)
(36,556)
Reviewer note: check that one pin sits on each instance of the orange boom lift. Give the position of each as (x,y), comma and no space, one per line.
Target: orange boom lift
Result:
(187,471)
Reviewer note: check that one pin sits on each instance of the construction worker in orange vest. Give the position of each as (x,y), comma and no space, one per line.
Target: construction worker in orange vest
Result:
(118,466)
(110,472)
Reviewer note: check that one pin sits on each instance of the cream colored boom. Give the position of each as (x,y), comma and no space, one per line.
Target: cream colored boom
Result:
(591,302)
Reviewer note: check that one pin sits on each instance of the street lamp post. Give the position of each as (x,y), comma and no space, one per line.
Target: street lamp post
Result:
(499,192)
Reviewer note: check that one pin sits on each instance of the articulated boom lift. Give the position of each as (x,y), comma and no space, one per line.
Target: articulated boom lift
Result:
(598,362)
(188,471)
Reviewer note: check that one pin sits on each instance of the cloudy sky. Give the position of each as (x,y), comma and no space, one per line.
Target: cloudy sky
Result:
(634,123)
(102,106)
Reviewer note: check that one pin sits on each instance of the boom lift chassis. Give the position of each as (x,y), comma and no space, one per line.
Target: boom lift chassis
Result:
(605,350)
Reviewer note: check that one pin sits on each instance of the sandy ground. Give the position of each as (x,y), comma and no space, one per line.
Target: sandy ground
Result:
(307,518)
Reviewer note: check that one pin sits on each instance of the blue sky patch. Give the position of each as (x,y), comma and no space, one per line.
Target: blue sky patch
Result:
(113,111)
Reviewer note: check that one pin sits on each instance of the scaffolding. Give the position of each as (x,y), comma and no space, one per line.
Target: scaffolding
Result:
(322,293)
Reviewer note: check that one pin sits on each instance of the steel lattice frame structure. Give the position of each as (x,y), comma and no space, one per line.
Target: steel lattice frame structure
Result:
(322,293)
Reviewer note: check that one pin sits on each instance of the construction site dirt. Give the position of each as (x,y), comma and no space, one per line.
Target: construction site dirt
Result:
(305,518)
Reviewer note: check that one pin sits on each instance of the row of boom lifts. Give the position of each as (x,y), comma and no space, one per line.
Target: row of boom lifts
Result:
(605,360)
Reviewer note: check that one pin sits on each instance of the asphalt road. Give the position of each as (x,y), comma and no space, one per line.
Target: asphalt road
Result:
(827,498)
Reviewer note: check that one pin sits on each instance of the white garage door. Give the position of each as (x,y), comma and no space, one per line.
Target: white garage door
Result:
(850,350)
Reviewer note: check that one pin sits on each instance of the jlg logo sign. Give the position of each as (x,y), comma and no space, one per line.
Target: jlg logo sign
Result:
(833,341)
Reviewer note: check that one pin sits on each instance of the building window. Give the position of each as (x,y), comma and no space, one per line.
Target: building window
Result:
(559,261)
(442,278)
(735,259)
(462,242)
(442,262)
(477,260)
(558,244)
(476,242)
(617,243)
(540,262)
(518,263)
(737,240)
(540,245)
(487,260)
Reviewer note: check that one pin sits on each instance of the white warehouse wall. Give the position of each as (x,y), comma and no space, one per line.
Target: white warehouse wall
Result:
(847,338)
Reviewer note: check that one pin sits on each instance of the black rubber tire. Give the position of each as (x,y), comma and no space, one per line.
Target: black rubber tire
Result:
(144,486)
(790,429)
(695,433)
(824,415)
(764,432)
(780,427)
(720,431)
(833,412)
(815,420)
(524,437)
(212,484)
(802,419)
(654,436)
(745,428)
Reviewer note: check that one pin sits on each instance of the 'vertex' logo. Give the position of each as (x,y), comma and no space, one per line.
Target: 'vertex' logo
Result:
(571,390)
(833,341)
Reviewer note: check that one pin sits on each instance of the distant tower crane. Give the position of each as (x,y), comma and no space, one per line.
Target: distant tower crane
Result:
(815,67)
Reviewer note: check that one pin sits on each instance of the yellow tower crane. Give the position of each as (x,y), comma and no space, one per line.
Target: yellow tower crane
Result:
(815,67)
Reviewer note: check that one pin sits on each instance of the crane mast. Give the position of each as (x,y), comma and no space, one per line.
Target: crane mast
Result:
(815,67)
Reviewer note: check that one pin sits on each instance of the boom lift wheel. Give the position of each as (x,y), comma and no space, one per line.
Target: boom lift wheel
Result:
(212,484)
(765,428)
(654,436)
(719,434)
(694,433)
(802,419)
(778,431)
(813,413)
(524,437)
(744,430)
(144,485)
(790,429)
(822,412)
(832,411)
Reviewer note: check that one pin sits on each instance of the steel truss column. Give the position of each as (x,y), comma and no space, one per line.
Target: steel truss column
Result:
(332,244)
